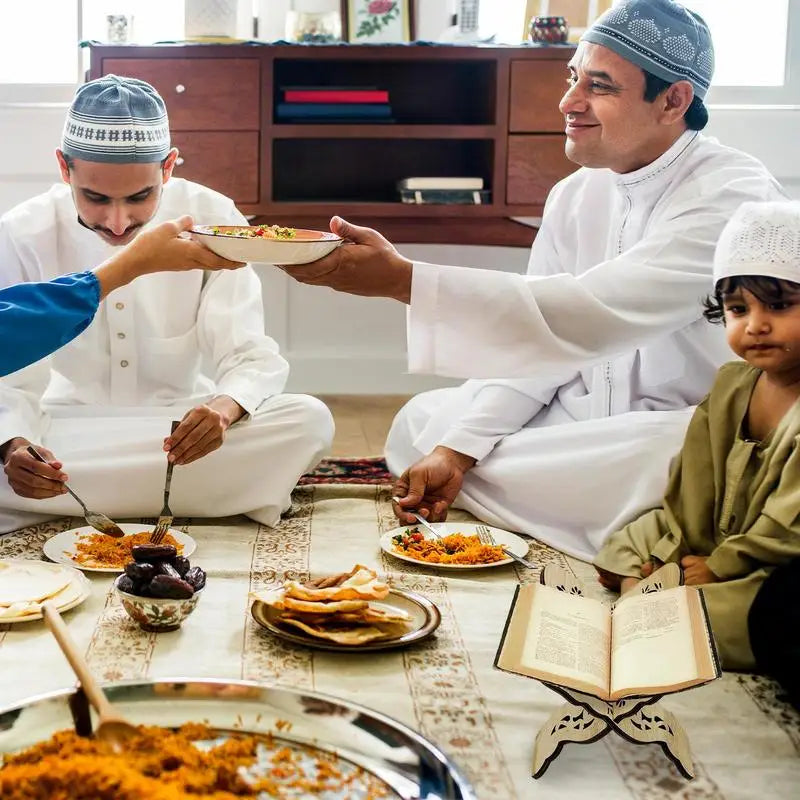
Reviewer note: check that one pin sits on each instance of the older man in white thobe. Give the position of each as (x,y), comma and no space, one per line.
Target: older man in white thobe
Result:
(186,346)
(606,326)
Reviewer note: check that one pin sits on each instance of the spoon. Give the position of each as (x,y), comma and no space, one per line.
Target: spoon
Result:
(100,522)
(113,729)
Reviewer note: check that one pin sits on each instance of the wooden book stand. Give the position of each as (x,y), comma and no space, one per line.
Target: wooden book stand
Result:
(585,718)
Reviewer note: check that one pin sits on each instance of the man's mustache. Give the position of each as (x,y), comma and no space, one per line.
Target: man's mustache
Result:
(101,229)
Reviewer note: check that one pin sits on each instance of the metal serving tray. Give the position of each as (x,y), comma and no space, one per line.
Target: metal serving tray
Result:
(413,767)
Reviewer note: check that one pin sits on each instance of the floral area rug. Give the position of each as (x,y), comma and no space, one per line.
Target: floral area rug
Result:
(348,470)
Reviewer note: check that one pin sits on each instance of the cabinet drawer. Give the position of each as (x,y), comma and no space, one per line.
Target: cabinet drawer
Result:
(535,164)
(202,94)
(536,90)
(227,162)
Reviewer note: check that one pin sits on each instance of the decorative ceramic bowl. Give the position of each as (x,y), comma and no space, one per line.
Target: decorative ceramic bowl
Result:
(156,614)
(304,247)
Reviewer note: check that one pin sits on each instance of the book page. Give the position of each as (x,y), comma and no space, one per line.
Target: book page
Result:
(567,640)
(652,643)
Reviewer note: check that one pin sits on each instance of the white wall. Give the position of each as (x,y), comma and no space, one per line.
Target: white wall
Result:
(343,344)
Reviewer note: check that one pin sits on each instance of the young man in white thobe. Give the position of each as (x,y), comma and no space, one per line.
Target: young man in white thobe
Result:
(185,346)
(606,327)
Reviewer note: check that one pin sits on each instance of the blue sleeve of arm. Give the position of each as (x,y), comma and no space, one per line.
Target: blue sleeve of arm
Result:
(38,318)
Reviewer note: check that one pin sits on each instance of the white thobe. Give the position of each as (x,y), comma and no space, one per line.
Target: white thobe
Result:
(156,348)
(605,332)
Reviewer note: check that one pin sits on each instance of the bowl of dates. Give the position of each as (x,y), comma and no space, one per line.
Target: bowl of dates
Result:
(159,588)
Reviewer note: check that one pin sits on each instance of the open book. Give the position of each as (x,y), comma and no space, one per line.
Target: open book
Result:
(647,644)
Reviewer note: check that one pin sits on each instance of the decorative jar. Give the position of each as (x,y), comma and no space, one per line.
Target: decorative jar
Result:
(119,28)
(548,30)
(318,27)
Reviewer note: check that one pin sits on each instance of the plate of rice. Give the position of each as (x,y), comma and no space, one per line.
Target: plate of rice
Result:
(91,551)
(459,547)
(266,244)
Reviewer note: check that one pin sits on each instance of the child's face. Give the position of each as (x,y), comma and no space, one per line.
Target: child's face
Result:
(766,335)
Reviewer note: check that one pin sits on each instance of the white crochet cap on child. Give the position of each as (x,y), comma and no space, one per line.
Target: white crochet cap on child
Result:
(760,239)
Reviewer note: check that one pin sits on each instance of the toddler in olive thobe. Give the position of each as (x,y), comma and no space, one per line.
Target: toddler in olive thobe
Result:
(733,495)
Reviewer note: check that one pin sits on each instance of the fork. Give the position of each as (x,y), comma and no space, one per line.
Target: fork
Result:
(166,516)
(485,537)
(100,522)
(419,518)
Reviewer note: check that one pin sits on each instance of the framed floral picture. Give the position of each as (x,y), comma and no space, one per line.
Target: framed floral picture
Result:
(376,21)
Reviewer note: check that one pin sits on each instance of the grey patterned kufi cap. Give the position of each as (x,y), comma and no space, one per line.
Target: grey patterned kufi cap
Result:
(761,239)
(117,120)
(660,36)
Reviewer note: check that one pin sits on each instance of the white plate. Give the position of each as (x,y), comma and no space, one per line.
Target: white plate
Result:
(61,547)
(73,594)
(305,247)
(516,544)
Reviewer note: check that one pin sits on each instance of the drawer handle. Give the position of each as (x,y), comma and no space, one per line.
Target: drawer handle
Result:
(180,88)
(179,161)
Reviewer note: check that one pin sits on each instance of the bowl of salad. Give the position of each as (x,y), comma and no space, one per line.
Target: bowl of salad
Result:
(266,244)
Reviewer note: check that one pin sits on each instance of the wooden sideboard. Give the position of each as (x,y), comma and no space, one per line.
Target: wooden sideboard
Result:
(488,111)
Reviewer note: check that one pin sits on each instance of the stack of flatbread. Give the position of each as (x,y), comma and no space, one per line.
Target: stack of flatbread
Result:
(24,585)
(338,607)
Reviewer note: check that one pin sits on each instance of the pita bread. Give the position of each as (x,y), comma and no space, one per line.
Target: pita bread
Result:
(361,583)
(67,596)
(371,614)
(337,607)
(330,607)
(270,597)
(277,598)
(31,582)
(364,616)
(347,634)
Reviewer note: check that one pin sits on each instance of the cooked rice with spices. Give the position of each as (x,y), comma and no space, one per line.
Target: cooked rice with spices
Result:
(99,550)
(453,549)
(163,764)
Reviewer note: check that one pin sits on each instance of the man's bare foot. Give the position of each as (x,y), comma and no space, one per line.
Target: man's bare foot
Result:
(627,584)
(608,580)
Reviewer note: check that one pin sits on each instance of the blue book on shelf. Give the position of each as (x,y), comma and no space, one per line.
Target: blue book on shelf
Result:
(333,110)
(468,197)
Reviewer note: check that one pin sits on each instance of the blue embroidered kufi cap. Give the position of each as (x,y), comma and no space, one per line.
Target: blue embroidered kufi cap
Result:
(117,120)
(660,36)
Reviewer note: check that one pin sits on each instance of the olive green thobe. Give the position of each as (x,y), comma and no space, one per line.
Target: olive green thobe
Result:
(730,498)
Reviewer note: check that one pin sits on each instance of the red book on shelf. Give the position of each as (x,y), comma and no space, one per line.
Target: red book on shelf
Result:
(336,96)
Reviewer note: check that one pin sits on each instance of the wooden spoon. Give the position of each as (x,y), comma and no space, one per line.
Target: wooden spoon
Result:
(113,729)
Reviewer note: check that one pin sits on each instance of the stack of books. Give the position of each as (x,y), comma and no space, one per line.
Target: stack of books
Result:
(334,104)
(458,191)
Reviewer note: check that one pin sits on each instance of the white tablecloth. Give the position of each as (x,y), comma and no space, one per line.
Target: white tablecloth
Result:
(743,740)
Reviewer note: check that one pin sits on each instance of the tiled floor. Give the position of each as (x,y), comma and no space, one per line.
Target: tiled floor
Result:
(362,422)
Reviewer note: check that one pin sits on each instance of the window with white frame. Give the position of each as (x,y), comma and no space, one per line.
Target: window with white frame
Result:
(756,48)
(756,43)
(39,39)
